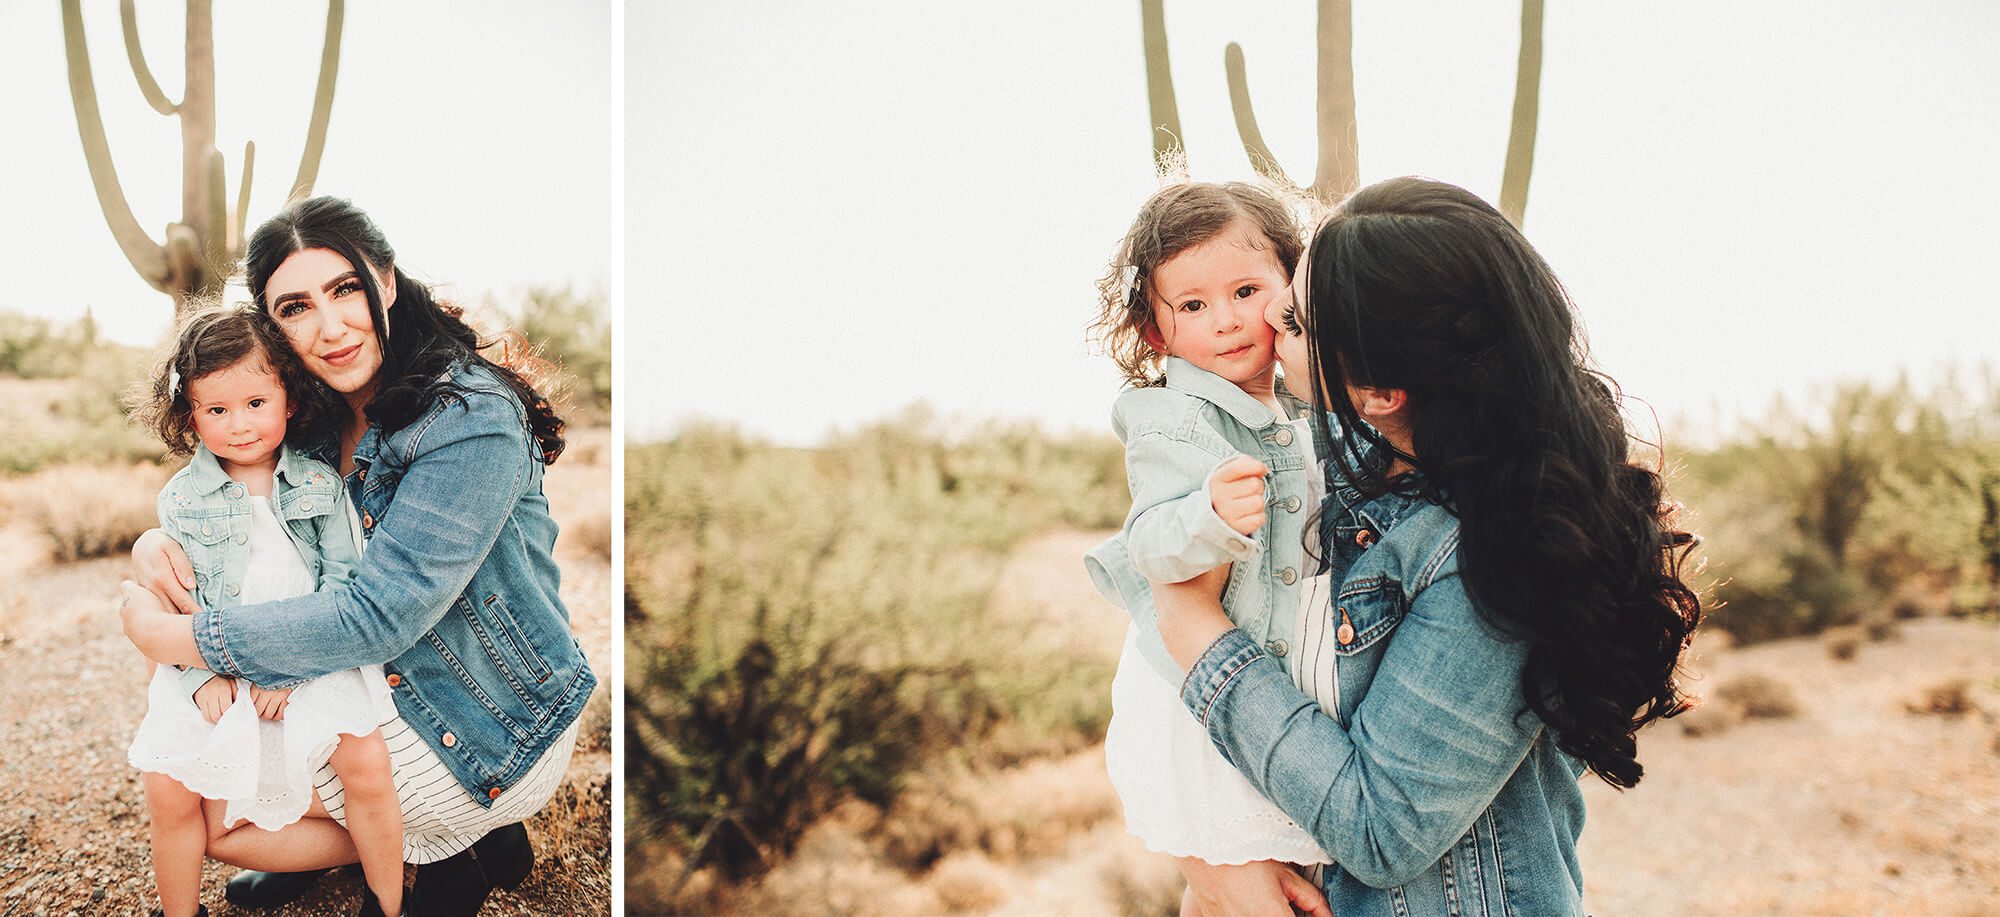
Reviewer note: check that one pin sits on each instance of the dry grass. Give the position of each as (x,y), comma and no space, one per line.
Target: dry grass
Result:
(1759,696)
(86,511)
(1950,697)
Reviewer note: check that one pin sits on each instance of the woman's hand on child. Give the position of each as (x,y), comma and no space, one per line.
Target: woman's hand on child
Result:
(1259,888)
(214,697)
(270,701)
(162,567)
(1236,490)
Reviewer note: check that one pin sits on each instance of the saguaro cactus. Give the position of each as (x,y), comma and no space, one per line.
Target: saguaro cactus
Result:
(1527,110)
(197,251)
(1338,170)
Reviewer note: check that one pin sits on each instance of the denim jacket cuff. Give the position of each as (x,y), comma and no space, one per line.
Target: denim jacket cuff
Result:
(1216,670)
(208,642)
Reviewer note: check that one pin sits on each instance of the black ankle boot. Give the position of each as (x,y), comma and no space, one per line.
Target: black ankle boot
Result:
(200,910)
(457,885)
(371,906)
(269,889)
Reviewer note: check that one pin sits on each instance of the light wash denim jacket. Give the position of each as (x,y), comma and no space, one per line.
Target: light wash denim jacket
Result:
(456,595)
(1434,789)
(208,513)
(1174,436)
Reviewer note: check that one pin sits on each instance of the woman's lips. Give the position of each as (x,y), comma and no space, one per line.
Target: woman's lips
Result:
(341,357)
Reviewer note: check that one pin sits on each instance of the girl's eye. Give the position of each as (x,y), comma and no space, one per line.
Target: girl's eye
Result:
(214,410)
(256,402)
(1192,305)
(1292,320)
(1246,291)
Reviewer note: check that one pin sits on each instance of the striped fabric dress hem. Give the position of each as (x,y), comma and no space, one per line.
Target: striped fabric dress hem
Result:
(440,818)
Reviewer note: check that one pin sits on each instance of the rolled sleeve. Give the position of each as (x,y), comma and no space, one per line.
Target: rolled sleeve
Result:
(1428,748)
(1173,530)
(467,467)
(1110,569)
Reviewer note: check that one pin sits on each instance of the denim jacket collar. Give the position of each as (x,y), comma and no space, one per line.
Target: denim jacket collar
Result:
(1183,376)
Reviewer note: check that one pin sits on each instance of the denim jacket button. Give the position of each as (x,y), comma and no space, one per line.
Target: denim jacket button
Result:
(449,740)
(205,530)
(1364,538)
(306,506)
(242,537)
(394,679)
(493,793)
(234,589)
(1292,504)
(1283,436)
(367,521)
(1288,576)
(1277,648)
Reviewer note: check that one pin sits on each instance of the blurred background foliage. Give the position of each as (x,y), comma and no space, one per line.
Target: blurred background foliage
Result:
(807,626)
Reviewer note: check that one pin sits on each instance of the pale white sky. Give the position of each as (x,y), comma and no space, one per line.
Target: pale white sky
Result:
(477,134)
(835,209)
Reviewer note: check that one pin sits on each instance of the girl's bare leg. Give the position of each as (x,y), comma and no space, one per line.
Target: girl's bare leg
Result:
(374,814)
(178,838)
(1189,908)
(313,842)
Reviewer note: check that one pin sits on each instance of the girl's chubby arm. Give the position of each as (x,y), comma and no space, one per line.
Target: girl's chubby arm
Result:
(1177,475)
(1426,751)
(467,469)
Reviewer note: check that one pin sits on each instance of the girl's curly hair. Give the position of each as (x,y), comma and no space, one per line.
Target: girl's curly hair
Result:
(208,338)
(1175,219)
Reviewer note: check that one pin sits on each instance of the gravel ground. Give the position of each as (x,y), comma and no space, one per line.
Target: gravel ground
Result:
(72,812)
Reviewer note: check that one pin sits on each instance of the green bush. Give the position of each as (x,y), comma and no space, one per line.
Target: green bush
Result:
(573,331)
(806,625)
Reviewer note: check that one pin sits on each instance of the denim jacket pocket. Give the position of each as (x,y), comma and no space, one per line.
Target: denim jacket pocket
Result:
(202,528)
(1367,612)
(495,626)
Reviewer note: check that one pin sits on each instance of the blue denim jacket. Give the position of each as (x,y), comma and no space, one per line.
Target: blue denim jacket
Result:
(1174,435)
(1434,789)
(456,595)
(207,512)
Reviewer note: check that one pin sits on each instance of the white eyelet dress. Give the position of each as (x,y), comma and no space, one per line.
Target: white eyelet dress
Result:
(1180,797)
(262,768)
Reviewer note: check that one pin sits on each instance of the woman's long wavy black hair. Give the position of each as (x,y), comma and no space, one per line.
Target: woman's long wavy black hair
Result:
(430,335)
(1565,542)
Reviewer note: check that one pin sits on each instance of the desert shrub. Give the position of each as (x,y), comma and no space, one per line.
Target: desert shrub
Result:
(807,625)
(573,331)
(36,348)
(1842,643)
(1759,696)
(1950,697)
(86,511)
(590,532)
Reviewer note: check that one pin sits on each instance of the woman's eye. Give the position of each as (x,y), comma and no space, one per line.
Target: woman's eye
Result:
(1292,320)
(1245,292)
(290,309)
(346,288)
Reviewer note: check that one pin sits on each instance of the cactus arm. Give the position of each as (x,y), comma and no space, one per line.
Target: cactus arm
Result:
(1527,113)
(136,56)
(1339,167)
(1160,102)
(1246,120)
(329,67)
(215,243)
(147,257)
(242,201)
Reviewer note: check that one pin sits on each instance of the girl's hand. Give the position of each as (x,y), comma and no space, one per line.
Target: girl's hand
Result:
(1236,490)
(270,702)
(214,697)
(159,564)
(1260,888)
(1191,615)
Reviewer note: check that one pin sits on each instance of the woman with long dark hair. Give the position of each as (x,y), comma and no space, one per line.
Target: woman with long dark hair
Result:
(1503,598)
(442,450)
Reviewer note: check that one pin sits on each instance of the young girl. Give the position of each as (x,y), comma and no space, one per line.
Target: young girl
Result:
(1222,471)
(258,521)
